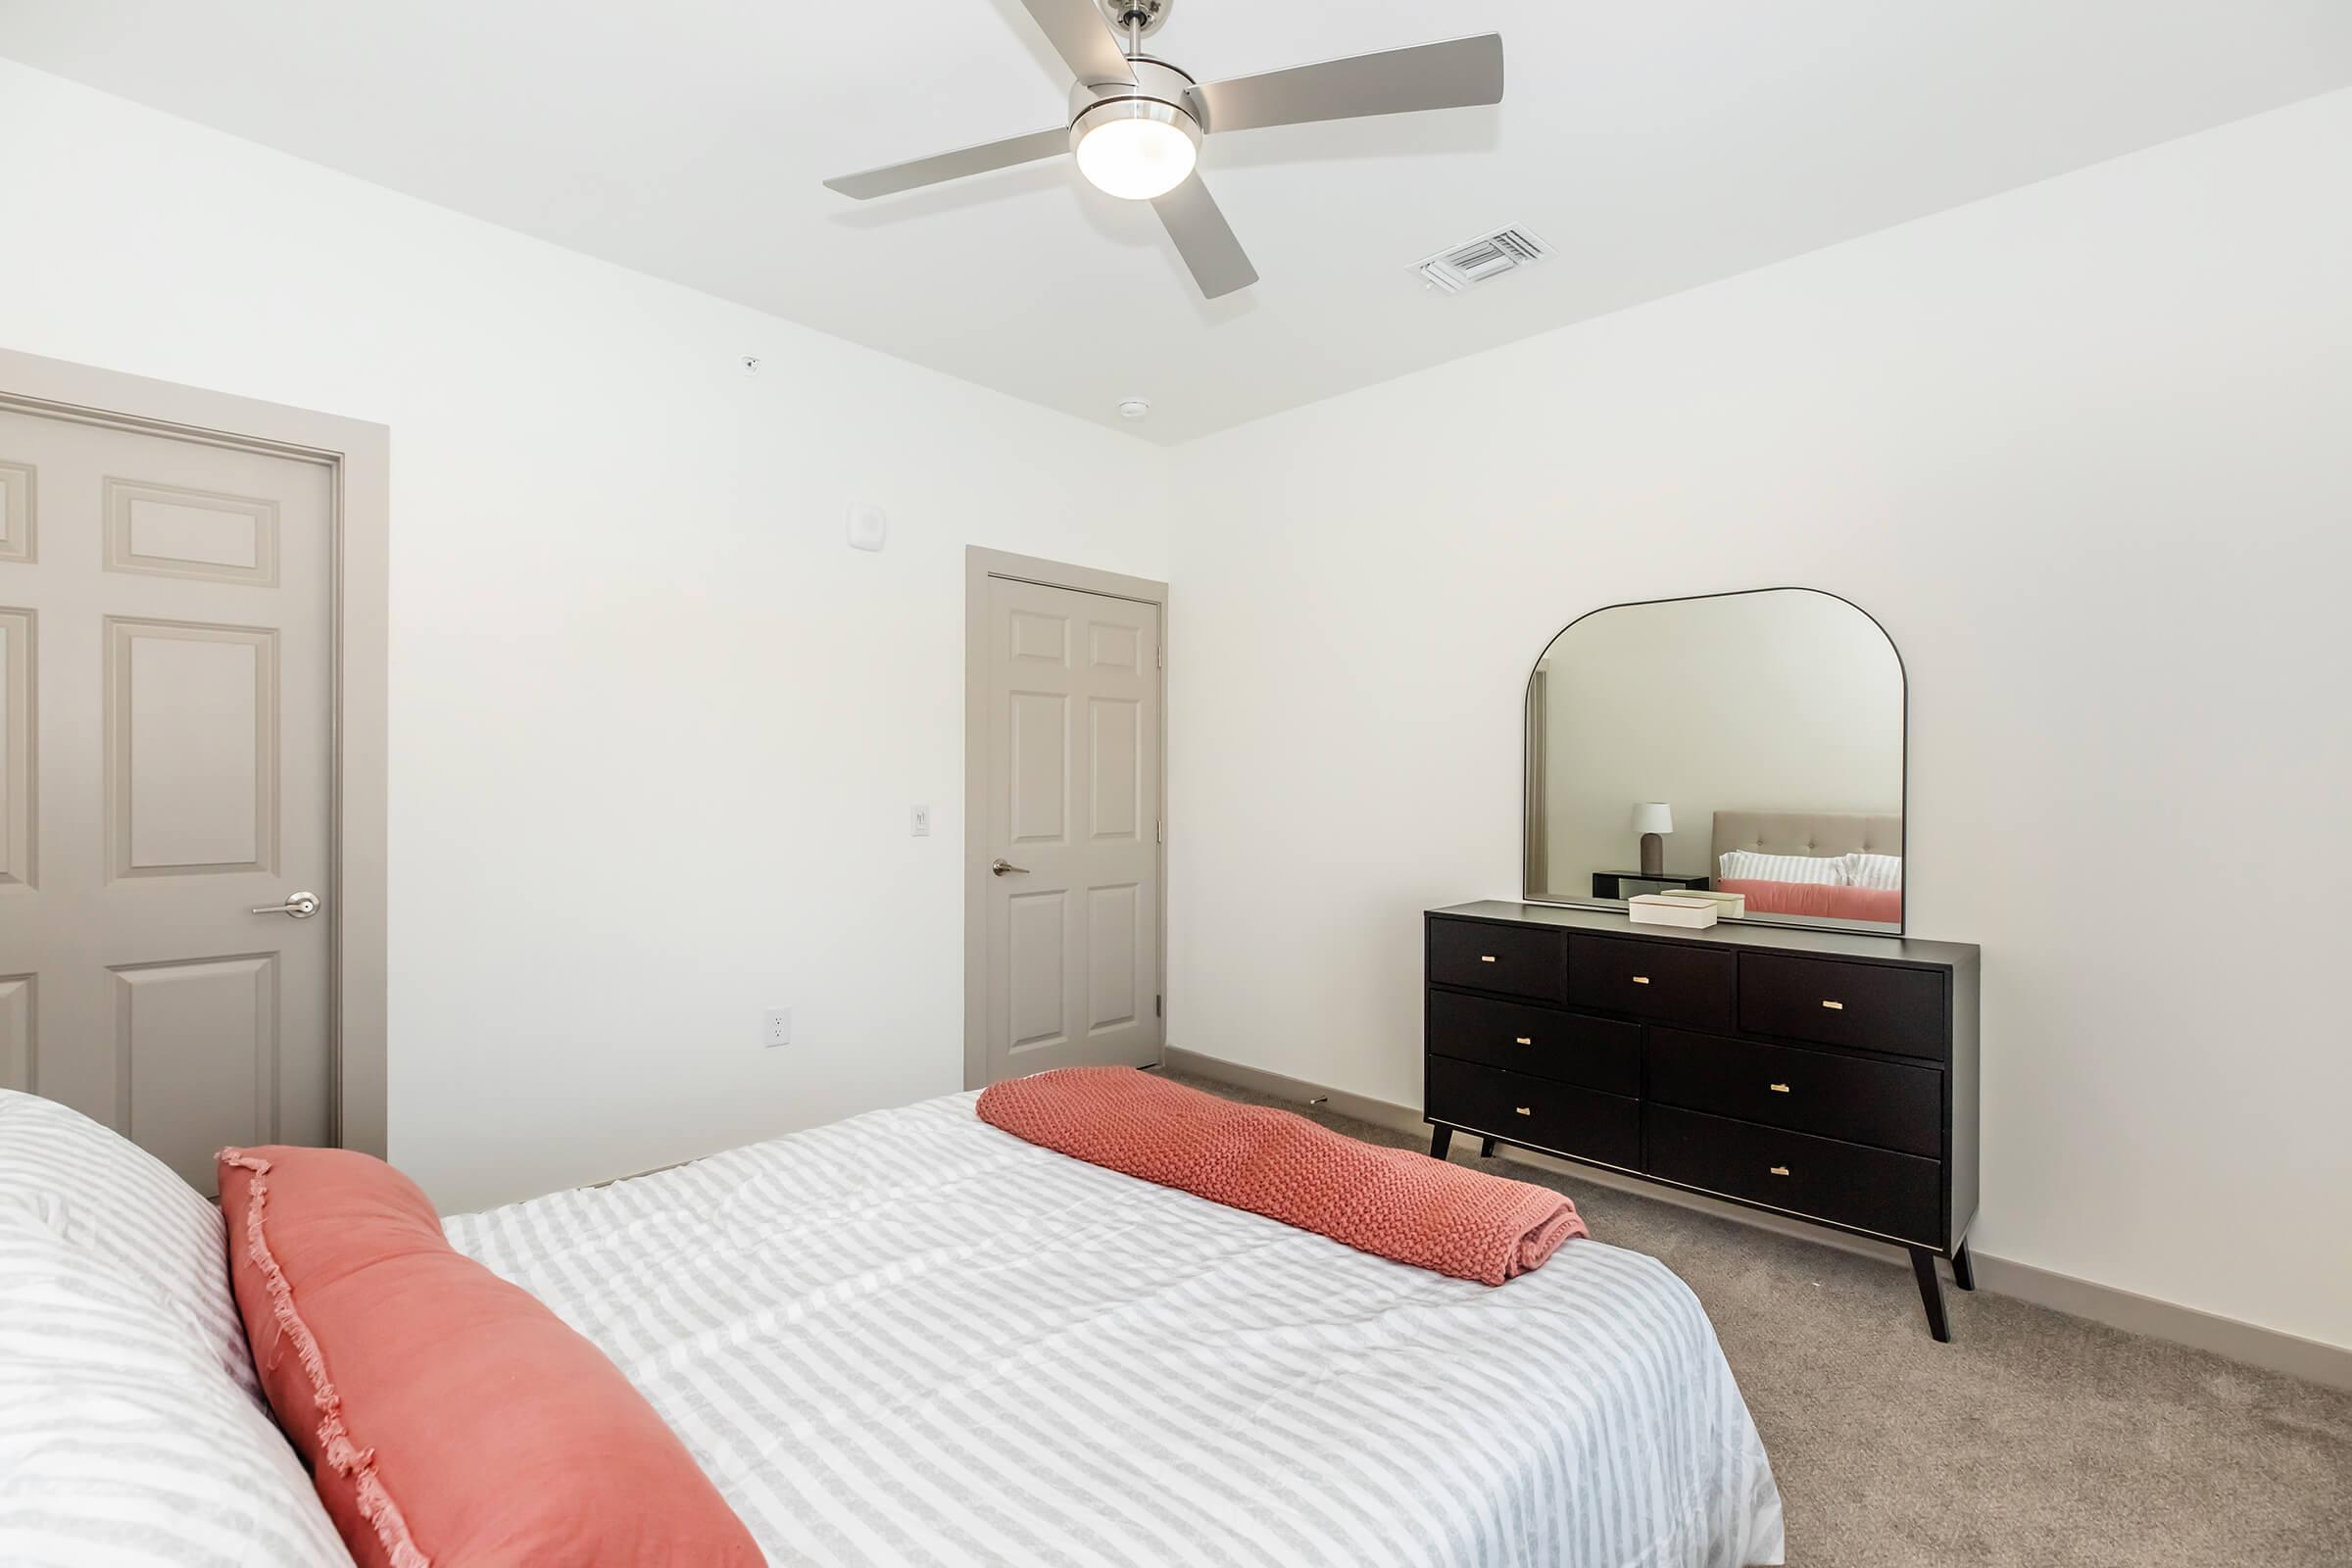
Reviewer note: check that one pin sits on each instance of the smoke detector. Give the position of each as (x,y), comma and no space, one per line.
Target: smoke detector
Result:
(870,526)
(1134,407)
(1480,260)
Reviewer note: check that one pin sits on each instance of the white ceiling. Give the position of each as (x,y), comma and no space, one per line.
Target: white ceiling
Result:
(1656,145)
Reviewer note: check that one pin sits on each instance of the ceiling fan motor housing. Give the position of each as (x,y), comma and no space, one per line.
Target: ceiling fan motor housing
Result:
(1137,139)
(1157,84)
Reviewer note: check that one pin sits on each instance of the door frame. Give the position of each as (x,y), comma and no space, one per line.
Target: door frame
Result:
(979,567)
(357,455)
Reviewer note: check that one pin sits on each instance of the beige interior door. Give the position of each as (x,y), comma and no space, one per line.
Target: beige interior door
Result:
(166,649)
(1072,830)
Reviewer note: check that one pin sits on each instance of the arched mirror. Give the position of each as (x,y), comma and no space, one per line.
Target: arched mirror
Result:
(1744,744)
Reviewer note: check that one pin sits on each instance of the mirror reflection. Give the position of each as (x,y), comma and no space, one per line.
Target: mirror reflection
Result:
(1745,744)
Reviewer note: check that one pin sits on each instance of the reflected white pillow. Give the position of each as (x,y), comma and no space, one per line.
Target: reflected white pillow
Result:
(1883,872)
(1746,865)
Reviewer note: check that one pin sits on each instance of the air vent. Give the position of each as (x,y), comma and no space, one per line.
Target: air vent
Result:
(1487,257)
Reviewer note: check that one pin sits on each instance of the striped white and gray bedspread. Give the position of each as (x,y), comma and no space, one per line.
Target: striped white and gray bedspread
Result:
(910,1339)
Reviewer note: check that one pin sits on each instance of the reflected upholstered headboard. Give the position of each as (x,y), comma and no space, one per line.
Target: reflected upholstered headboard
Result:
(1821,833)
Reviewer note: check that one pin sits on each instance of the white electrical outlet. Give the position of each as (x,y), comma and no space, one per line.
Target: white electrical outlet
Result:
(919,822)
(777,1028)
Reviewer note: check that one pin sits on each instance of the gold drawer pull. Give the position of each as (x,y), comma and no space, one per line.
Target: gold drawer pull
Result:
(1486,958)
(1523,1110)
(1778,1089)
(1641,979)
(1521,1040)
(1779,1170)
(1834,1006)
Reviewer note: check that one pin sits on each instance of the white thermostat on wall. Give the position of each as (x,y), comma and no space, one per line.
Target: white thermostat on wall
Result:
(870,526)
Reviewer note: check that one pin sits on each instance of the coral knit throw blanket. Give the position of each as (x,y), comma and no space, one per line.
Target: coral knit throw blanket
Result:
(1393,1203)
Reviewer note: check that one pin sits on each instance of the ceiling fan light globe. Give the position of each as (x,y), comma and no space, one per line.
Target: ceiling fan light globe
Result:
(1136,148)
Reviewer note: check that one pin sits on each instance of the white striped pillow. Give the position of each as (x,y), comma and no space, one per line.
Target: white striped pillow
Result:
(1884,872)
(1746,866)
(111,1200)
(120,1439)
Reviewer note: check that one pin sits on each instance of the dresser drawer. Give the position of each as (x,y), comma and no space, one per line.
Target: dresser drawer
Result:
(1522,961)
(1845,1184)
(1596,1052)
(1535,1110)
(1888,1105)
(1653,979)
(1867,1006)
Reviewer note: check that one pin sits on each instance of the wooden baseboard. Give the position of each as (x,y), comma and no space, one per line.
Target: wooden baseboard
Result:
(2313,1360)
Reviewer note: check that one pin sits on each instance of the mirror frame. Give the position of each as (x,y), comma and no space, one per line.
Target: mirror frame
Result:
(1527,811)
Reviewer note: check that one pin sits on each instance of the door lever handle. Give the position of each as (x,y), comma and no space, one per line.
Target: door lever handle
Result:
(1004,867)
(298,907)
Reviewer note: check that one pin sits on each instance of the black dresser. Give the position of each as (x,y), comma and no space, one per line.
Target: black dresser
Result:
(1826,1076)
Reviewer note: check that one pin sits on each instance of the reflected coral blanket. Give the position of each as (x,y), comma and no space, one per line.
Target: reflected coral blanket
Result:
(1817,897)
(1393,1203)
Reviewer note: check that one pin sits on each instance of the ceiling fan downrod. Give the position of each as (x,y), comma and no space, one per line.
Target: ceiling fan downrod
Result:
(1133,18)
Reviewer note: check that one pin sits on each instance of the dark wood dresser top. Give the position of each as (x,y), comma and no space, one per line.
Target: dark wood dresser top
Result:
(1739,934)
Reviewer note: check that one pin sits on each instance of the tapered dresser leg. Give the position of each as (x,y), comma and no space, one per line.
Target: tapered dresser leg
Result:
(1964,1270)
(1485,1149)
(1441,1138)
(1931,1292)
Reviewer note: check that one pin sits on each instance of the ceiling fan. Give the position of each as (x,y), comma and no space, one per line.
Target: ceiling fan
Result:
(1136,121)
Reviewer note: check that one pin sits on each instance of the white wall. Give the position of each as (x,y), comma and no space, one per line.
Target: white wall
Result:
(654,727)
(2084,449)
(1773,701)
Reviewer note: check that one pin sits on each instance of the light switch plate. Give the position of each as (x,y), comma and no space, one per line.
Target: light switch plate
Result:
(776,1028)
(919,822)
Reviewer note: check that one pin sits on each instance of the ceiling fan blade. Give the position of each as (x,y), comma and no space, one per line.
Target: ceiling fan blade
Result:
(1205,240)
(952,166)
(1396,81)
(1081,34)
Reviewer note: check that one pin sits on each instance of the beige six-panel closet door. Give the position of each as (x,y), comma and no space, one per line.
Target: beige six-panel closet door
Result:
(166,661)
(1072,818)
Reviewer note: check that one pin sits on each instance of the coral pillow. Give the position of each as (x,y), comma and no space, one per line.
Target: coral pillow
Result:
(1396,1203)
(446,1416)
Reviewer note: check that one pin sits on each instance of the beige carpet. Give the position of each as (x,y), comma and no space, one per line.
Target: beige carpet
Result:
(2033,1439)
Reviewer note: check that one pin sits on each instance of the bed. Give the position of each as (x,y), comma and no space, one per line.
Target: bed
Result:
(1844,865)
(911,1338)
(904,1339)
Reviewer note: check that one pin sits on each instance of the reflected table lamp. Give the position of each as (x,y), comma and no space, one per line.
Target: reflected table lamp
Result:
(1653,821)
